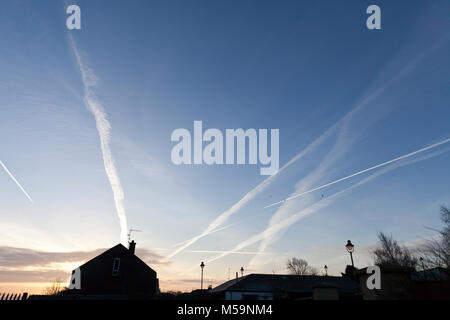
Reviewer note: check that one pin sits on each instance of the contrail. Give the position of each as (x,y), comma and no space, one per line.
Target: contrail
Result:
(228,252)
(285,223)
(362,171)
(214,231)
(95,106)
(15,180)
(219,220)
(270,237)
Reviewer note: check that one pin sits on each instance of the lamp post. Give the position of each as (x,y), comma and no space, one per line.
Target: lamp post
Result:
(326,270)
(421,261)
(350,248)
(202,265)
(423,267)
(242,271)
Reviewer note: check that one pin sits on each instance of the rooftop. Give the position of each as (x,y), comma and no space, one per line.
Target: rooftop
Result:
(285,283)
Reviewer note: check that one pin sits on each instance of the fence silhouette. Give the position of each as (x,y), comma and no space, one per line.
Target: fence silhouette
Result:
(13,296)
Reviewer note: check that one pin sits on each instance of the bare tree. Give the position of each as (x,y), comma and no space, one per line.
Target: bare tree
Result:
(391,252)
(300,267)
(436,252)
(55,288)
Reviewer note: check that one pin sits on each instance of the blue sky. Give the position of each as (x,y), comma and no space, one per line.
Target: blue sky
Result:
(301,67)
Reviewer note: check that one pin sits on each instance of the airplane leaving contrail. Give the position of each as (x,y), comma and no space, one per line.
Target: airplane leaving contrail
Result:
(15,180)
(362,171)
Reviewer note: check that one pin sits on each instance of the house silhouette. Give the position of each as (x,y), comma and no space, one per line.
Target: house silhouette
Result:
(117,271)
(276,287)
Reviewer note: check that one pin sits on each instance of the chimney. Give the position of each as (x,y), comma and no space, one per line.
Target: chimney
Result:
(132,246)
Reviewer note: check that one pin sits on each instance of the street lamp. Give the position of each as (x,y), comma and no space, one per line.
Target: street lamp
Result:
(242,271)
(421,261)
(350,248)
(202,265)
(326,270)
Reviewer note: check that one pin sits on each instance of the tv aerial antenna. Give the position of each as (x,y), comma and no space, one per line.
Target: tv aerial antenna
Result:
(129,233)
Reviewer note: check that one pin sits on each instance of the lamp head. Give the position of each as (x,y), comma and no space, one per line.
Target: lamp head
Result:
(350,247)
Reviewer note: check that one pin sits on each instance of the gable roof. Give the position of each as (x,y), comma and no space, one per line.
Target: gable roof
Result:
(118,251)
(285,283)
(119,248)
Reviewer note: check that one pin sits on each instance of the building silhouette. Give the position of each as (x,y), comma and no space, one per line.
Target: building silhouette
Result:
(294,287)
(115,272)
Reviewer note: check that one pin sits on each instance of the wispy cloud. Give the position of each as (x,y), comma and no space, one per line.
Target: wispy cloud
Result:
(26,276)
(28,265)
(95,106)
(15,180)
(13,257)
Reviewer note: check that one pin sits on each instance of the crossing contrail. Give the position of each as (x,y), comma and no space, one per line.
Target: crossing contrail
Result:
(103,125)
(323,203)
(362,171)
(225,215)
(15,180)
